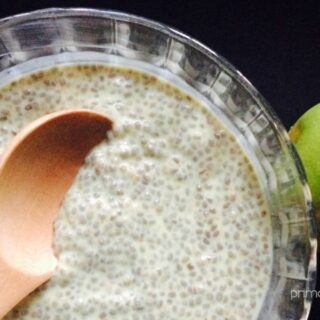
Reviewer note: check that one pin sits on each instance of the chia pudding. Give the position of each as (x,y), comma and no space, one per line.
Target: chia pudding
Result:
(165,220)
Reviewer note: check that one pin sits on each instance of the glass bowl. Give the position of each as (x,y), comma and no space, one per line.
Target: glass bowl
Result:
(54,36)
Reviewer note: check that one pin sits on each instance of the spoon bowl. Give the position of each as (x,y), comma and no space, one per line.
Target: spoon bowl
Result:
(36,170)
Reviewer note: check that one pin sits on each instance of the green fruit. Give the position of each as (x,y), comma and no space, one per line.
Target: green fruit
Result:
(305,135)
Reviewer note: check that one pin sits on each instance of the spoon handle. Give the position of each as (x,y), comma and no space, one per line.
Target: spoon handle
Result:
(15,285)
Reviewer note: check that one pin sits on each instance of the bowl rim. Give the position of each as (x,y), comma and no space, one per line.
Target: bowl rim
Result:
(227,67)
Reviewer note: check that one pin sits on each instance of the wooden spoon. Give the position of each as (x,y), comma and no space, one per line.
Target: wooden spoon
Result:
(36,170)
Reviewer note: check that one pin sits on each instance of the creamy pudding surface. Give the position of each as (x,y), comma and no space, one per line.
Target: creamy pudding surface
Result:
(166,218)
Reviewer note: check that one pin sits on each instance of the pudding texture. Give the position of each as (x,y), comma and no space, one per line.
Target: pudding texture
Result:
(166,218)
